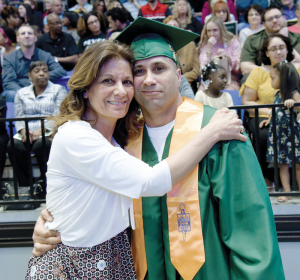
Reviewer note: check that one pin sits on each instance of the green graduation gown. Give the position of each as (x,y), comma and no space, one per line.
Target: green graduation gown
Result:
(238,226)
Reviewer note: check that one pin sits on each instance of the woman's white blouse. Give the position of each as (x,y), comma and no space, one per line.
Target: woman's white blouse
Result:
(91,184)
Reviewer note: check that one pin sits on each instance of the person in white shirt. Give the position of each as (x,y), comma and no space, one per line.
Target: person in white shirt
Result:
(91,181)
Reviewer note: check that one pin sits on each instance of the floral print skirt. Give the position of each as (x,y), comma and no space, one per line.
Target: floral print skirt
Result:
(109,260)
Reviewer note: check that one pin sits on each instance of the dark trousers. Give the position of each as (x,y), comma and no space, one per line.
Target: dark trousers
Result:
(21,154)
(3,143)
(263,134)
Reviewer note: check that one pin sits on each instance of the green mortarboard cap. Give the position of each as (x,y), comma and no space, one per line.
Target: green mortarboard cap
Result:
(149,38)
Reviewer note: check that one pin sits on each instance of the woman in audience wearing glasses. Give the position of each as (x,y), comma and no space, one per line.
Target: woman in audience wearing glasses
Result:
(219,43)
(41,99)
(91,28)
(257,90)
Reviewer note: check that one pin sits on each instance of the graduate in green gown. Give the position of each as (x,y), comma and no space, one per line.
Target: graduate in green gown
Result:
(238,228)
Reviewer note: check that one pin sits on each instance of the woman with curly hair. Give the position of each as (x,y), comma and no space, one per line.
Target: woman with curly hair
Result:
(218,42)
(11,16)
(91,28)
(183,11)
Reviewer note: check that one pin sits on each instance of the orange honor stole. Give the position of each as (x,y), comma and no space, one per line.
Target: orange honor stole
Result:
(185,230)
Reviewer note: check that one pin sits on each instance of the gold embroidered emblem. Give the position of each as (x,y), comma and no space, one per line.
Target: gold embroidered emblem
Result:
(174,54)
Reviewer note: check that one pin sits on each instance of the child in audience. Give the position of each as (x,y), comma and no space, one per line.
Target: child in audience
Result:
(214,79)
(285,79)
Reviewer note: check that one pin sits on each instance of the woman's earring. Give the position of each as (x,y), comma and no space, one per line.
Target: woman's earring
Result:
(85,95)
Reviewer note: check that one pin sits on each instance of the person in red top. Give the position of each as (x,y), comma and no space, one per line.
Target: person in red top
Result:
(207,8)
(155,10)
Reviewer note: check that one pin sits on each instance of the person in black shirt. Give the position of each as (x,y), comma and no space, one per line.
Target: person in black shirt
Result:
(91,28)
(61,45)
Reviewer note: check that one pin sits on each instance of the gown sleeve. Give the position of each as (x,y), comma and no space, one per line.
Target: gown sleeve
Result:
(246,219)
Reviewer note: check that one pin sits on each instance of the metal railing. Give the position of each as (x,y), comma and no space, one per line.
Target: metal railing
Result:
(257,148)
(238,108)
(14,159)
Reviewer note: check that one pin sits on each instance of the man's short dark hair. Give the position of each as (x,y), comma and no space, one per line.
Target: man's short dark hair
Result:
(268,9)
(118,14)
(36,63)
(255,7)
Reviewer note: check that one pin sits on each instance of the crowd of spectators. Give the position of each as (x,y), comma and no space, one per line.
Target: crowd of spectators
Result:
(58,33)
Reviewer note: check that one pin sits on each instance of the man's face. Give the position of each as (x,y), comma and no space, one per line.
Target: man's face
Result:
(2,6)
(57,7)
(287,2)
(274,21)
(26,37)
(112,23)
(55,24)
(156,84)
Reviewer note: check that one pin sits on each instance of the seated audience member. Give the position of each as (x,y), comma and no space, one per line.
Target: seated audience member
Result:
(69,21)
(7,42)
(11,17)
(82,7)
(3,3)
(91,28)
(117,19)
(252,16)
(155,10)
(242,6)
(183,11)
(187,56)
(32,4)
(221,10)
(26,15)
(218,42)
(41,99)
(274,23)
(61,45)
(296,27)
(118,4)
(3,132)
(133,6)
(99,6)
(208,5)
(57,8)
(288,7)
(37,31)
(185,88)
(48,8)
(258,90)
(16,64)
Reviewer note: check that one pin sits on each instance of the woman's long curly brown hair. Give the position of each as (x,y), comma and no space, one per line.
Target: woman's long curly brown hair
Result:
(85,73)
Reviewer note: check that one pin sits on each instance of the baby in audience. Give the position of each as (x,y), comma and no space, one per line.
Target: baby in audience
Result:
(214,79)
